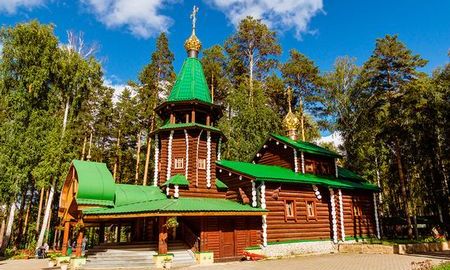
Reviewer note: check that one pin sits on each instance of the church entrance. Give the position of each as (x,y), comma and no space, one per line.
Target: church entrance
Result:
(227,238)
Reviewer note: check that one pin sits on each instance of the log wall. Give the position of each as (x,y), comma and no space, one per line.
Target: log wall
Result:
(281,228)
(277,154)
(364,224)
(196,177)
(245,233)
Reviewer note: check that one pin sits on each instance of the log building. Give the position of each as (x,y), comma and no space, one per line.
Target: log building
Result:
(291,194)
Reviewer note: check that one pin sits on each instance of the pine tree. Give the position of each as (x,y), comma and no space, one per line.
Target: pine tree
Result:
(384,81)
(155,81)
(303,76)
(252,51)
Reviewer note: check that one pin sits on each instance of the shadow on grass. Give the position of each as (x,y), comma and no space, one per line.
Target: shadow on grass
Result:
(438,255)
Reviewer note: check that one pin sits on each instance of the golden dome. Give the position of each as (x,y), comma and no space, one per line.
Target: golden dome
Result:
(193,43)
(290,121)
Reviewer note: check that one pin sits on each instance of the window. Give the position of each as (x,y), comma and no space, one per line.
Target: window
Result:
(309,166)
(202,163)
(289,209)
(310,210)
(356,210)
(179,163)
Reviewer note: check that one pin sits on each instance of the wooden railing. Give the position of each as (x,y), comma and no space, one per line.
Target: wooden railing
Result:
(191,239)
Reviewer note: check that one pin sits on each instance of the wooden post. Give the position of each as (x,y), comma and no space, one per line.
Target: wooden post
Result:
(119,229)
(193,116)
(139,227)
(79,247)
(162,242)
(208,120)
(65,238)
(101,233)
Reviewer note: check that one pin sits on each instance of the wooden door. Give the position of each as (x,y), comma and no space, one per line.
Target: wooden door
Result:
(227,238)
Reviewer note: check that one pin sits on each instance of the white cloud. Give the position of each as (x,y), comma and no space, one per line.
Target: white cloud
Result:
(11,6)
(281,15)
(335,138)
(142,18)
(118,87)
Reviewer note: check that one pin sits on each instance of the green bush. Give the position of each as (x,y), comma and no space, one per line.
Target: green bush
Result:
(444,266)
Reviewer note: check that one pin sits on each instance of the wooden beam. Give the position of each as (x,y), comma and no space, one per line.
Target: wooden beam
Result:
(162,232)
(193,116)
(79,247)
(65,238)
(92,218)
(101,233)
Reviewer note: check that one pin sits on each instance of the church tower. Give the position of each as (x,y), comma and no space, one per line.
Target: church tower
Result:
(188,144)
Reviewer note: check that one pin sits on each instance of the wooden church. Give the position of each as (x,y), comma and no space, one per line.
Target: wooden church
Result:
(292,197)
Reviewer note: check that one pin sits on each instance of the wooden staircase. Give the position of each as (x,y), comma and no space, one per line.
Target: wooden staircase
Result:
(134,256)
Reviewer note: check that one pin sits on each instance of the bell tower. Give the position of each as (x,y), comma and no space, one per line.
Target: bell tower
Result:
(188,143)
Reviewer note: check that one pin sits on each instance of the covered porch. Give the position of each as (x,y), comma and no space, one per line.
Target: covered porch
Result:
(96,211)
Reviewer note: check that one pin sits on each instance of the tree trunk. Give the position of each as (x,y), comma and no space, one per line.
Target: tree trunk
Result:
(20,219)
(2,230)
(302,120)
(250,68)
(38,220)
(66,115)
(149,147)
(404,194)
(138,157)
(47,214)
(9,226)
(27,216)
(116,164)
(84,148)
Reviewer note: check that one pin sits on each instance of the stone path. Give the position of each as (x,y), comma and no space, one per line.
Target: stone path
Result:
(330,262)
(315,262)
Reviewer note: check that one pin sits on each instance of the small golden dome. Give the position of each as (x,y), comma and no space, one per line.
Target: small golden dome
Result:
(290,121)
(193,43)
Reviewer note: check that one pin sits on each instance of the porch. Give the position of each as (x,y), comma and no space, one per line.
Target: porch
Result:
(224,235)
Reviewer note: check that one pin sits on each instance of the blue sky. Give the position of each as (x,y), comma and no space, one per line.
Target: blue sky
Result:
(323,30)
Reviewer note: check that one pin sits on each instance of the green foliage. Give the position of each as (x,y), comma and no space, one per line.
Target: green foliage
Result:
(214,64)
(252,50)
(442,266)
(249,124)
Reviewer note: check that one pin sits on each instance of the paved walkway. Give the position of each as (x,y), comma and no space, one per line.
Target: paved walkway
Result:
(315,262)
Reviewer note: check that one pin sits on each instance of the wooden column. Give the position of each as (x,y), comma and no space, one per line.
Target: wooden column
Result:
(162,229)
(193,116)
(65,238)
(139,229)
(119,229)
(208,120)
(79,247)
(101,233)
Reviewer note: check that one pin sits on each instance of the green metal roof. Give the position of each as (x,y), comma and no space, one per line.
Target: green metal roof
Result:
(95,183)
(349,175)
(283,175)
(94,202)
(305,146)
(178,179)
(220,184)
(176,205)
(191,83)
(169,126)
(129,194)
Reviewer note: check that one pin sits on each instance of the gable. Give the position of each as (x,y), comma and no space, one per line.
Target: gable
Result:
(95,183)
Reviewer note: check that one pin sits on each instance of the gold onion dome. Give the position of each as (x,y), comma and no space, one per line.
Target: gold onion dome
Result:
(193,43)
(290,121)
